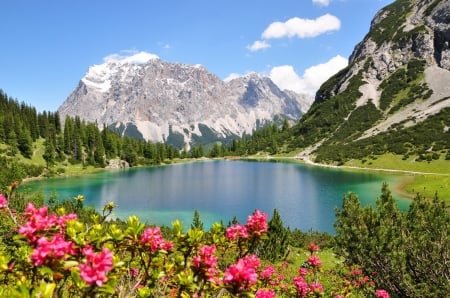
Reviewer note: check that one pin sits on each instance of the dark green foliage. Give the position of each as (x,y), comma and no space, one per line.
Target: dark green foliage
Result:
(404,79)
(360,119)
(326,89)
(275,247)
(431,7)
(325,117)
(424,138)
(49,154)
(207,135)
(267,139)
(391,86)
(12,170)
(409,251)
(78,142)
(298,238)
(218,150)
(196,221)
(391,24)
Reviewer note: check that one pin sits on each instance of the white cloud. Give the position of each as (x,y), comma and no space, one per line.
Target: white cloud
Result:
(322,2)
(258,45)
(130,56)
(286,78)
(302,28)
(232,76)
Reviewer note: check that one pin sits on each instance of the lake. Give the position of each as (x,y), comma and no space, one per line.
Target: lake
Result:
(305,196)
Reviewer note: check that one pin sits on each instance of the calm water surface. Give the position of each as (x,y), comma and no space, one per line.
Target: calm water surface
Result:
(305,196)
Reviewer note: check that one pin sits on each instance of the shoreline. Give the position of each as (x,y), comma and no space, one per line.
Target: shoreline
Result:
(407,178)
(399,187)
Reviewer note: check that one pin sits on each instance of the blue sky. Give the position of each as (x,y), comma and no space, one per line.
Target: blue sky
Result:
(48,46)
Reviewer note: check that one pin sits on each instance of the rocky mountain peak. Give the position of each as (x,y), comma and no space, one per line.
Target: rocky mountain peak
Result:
(178,103)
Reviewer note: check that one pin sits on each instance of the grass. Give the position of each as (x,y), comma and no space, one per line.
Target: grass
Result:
(299,255)
(395,162)
(428,178)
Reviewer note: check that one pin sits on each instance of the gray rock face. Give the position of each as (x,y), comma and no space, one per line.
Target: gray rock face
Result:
(424,34)
(179,103)
(401,33)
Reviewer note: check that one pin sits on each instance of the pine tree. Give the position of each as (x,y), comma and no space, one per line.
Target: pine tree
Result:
(25,144)
(196,221)
(275,247)
(49,154)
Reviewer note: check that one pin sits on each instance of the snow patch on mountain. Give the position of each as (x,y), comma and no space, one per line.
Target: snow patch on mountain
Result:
(160,99)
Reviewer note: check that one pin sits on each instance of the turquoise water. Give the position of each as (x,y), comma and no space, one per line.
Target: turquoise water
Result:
(305,196)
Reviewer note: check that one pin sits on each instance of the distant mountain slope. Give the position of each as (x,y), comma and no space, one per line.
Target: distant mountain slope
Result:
(394,96)
(179,103)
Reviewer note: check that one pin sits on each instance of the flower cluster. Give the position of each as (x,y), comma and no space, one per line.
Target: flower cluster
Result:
(96,265)
(256,226)
(99,259)
(313,248)
(38,220)
(381,294)
(3,202)
(154,238)
(236,231)
(242,275)
(300,283)
(257,223)
(271,276)
(206,262)
(314,261)
(50,249)
(265,293)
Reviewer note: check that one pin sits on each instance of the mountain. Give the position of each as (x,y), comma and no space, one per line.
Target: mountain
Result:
(394,96)
(178,103)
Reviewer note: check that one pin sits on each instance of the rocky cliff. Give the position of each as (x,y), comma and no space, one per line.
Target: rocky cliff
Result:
(178,103)
(398,79)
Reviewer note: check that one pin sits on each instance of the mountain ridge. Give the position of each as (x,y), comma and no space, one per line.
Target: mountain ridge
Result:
(180,103)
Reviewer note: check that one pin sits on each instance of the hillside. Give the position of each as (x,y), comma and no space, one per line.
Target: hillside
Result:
(393,97)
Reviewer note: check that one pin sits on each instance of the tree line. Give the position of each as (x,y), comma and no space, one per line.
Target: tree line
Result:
(75,142)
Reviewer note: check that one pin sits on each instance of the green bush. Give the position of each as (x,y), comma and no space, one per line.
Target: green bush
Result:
(409,251)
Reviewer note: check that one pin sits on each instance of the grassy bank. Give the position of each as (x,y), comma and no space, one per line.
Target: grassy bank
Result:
(426,178)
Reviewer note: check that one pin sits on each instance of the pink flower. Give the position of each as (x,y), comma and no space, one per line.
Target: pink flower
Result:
(243,273)
(316,287)
(356,272)
(301,286)
(134,272)
(206,256)
(55,248)
(96,265)
(154,238)
(313,247)
(314,261)
(3,201)
(381,294)
(265,293)
(38,221)
(236,231)
(267,272)
(206,261)
(303,271)
(257,223)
